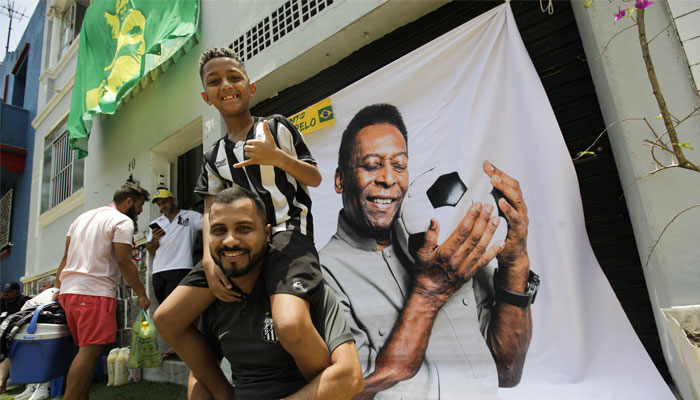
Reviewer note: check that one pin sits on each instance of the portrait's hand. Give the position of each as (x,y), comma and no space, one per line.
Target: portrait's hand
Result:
(513,206)
(442,270)
(219,283)
(261,152)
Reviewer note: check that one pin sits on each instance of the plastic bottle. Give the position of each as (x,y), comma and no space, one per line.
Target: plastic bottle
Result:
(149,346)
(111,360)
(121,371)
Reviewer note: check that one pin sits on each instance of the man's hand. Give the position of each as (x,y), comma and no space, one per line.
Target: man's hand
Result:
(513,206)
(157,233)
(261,152)
(144,302)
(218,282)
(442,270)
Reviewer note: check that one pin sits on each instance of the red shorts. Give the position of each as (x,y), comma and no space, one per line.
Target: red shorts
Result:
(91,319)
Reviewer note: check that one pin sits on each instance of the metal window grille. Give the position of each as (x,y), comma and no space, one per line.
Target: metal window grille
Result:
(5,218)
(61,171)
(273,27)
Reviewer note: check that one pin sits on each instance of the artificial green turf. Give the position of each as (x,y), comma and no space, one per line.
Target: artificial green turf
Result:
(132,391)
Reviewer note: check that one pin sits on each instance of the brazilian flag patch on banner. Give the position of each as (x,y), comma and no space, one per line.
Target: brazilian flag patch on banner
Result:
(315,117)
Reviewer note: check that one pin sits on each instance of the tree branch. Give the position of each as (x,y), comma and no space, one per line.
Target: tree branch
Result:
(664,231)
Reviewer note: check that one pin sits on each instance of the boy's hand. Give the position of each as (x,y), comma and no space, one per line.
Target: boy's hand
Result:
(219,283)
(261,152)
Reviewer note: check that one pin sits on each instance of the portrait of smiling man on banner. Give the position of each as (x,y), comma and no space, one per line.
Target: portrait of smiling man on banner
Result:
(433,326)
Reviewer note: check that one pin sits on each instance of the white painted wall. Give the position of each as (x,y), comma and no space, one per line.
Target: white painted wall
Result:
(624,91)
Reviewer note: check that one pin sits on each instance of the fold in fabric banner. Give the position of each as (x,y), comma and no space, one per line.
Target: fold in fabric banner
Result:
(122,41)
(466,97)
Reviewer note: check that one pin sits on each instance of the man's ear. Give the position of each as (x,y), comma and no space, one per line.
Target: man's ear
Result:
(205,98)
(268,233)
(338,181)
(128,202)
(253,89)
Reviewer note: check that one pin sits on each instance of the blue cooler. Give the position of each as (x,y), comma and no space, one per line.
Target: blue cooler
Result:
(40,352)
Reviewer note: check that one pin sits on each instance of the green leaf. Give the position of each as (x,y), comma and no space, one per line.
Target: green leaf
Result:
(582,154)
(686,145)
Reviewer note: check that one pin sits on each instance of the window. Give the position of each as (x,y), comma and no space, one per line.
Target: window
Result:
(71,21)
(5,219)
(63,174)
(291,15)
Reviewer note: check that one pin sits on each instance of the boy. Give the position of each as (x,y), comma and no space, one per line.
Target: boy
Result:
(267,156)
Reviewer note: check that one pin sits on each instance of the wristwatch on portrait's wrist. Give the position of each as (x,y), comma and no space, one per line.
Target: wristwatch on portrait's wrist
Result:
(514,298)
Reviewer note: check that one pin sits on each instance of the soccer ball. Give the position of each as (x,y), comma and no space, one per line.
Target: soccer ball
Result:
(433,194)
(441,195)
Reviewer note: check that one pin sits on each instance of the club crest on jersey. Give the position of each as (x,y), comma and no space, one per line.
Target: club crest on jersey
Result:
(268,331)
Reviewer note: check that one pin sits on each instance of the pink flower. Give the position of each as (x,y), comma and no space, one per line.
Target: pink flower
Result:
(621,13)
(642,4)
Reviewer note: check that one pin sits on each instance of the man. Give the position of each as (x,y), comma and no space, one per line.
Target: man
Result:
(98,249)
(11,302)
(433,330)
(243,332)
(170,245)
(12,299)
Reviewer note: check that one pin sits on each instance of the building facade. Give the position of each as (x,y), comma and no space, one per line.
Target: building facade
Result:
(301,51)
(19,87)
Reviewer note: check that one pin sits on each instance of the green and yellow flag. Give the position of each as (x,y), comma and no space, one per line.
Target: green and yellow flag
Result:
(121,43)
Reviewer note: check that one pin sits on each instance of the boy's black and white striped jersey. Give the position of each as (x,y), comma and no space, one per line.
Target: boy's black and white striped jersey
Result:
(287,201)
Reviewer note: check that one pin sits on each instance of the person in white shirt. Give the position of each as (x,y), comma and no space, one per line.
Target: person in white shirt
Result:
(171,240)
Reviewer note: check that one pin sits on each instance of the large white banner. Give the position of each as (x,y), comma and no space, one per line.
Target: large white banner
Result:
(469,96)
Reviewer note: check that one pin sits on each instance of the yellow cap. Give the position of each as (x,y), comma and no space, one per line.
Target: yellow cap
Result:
(162,193)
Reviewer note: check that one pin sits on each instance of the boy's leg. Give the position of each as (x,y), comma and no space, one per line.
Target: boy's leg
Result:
(174,320)
(292,275)
(81,371)
(298,335)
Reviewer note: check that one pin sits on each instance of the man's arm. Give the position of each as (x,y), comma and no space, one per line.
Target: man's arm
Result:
(130,272)
(510,327)
(440,271)
(57,282)
(341,380)
(265,152)
(174,320)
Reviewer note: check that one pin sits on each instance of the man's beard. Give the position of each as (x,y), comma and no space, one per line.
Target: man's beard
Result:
(255,259)
(131,213)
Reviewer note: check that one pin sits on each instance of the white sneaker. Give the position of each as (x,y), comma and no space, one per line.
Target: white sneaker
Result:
(41,392)
(28,391)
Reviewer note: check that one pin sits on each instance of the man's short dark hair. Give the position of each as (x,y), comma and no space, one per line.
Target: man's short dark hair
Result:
(214,52)
(374,114)
(130,190)
(228,196)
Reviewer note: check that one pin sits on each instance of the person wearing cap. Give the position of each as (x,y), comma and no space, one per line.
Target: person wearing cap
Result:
(171,240)
(12,299)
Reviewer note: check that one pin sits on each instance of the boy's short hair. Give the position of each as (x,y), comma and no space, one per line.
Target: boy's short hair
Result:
(229,195)
(130,190)
(214,52)
(374,114)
